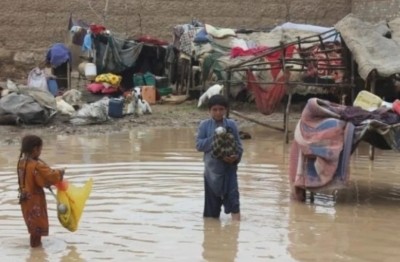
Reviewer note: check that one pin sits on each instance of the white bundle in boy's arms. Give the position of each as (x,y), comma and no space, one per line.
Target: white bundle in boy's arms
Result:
(211,91)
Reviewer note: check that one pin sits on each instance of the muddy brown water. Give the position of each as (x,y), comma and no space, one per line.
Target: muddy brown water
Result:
(147,203)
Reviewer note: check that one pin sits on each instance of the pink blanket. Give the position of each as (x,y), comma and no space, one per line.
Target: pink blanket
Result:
(317,155)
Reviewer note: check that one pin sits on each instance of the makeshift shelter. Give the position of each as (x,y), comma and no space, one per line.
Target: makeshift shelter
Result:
(292,61)
(376,52)
(113,53)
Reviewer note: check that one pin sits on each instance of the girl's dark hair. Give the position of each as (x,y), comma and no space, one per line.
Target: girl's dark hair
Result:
(28,144)
(218,100)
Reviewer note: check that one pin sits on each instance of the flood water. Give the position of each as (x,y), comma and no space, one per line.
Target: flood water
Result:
(147,202)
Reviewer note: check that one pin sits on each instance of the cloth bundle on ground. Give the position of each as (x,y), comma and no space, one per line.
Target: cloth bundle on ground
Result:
(113,80)
(28,106)
(224,144)
(37,79)
(105,84)
(93,113)
(74,199)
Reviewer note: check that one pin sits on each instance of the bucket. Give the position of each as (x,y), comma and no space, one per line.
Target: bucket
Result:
(90,71)
(115,107)
(149,94)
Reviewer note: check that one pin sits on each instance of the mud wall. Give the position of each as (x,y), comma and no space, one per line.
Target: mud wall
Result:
(376,10)
(29,27)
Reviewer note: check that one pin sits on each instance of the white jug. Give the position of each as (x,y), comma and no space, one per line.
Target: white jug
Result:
(90,71)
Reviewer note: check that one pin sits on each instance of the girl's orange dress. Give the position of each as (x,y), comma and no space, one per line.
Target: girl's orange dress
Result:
(34,175)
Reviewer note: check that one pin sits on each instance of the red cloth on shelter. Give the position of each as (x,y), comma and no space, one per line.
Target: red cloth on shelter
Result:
(238,51)
(268,99)
(97,29)
(151,40)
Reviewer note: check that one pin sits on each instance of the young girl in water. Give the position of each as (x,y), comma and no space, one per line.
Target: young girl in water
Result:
(33,176)
(220,174)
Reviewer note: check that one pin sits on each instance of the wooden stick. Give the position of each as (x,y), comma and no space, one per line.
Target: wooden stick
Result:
(255,121)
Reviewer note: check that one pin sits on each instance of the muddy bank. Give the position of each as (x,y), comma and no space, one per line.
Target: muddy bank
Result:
(164,115)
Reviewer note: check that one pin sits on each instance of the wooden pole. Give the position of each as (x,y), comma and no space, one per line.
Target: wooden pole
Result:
(372,88)
(68,75)
(228,89)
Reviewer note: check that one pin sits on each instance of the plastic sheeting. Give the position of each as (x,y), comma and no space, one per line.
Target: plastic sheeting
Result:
(370,46)
(29,106)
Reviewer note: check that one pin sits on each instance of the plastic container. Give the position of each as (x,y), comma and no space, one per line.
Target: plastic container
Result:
(367,101)
(90,71)
(116,107)
(149,79)
(52,86)
(149,94)
(164,91)
(138,80)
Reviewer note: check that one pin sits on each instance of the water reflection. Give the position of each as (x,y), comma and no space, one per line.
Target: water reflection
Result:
(220,242)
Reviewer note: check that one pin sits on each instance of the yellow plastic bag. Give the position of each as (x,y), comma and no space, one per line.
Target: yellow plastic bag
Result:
(74,199)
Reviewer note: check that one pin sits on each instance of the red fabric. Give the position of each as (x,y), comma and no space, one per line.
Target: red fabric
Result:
(95,88)
(151,40)
(275,56)
(266,100)
(396,106)
(97,29)
(238,51)
(110,90)
(320,68)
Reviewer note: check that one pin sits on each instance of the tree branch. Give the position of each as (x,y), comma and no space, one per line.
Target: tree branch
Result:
(94,11)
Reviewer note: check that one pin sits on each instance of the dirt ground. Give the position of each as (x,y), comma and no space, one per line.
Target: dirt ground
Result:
(164,115)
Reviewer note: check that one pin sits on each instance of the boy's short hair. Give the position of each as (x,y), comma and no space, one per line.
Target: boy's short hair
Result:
(218,100)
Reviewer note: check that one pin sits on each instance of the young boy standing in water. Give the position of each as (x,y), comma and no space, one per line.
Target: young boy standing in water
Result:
(220,174)
(33,176)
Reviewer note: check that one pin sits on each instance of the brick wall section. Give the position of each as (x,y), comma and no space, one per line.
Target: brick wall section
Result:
(34,25)
(376,10)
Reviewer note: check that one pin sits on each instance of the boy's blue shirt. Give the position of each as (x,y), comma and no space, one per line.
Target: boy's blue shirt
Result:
(215,169)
